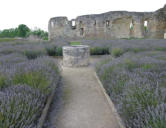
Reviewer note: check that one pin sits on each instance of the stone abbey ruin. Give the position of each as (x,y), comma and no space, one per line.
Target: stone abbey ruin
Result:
(111,25)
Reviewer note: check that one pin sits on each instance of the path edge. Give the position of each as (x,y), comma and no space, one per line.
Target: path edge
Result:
(110,103)
(47,106)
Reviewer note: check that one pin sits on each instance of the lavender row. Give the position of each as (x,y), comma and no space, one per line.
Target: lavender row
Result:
(136,84)
(20,106)
(24,87)
(98,47)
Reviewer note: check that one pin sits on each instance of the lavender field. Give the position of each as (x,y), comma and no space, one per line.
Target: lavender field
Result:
(26,80)
(136,83)
(135,79)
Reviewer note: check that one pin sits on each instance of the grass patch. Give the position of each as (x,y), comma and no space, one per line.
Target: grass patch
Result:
(75,43)
(7,39)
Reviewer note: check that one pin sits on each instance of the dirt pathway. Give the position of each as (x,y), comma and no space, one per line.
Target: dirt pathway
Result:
(84,103)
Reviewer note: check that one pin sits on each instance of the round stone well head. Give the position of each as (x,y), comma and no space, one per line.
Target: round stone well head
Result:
(76,56)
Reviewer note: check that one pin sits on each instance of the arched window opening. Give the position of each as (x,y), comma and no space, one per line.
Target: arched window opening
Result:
(131,26)
(146,25)
(81,31)
(80,22)
(52,24)
(95,23)
(73,24)
(107,23)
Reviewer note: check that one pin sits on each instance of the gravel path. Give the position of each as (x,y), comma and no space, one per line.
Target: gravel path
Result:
(84,103)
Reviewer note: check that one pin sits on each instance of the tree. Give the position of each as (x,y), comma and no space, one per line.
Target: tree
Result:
(23,30)
(39,33)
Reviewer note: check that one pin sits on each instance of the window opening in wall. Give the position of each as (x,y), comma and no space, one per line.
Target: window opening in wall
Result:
(66,22)
(131,26)
(145,25)
(95,23)
(107,23)
(73,24)
(81,31)
(80,22)
(52,24)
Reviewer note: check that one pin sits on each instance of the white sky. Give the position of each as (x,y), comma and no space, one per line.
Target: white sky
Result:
(36,13)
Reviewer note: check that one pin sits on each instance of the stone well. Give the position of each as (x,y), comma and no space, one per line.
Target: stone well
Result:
(76,56)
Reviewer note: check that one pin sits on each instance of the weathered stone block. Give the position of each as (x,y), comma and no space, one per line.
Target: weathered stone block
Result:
(76,56)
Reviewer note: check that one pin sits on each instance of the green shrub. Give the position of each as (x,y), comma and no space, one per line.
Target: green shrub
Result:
(51,50)
(116,52)
(99,51)
(45,38)
(32,54)
(160,49)
(58,51)
(22,31)
(36,80)
(39,33)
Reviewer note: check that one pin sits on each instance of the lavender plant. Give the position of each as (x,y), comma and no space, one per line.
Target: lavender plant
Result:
(136,84)
(20,106)
(124,45)
(40,73)
(12,58)
(23,48)
(152,117)
(24,87)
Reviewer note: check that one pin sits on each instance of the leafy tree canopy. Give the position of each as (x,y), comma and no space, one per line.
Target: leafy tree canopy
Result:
(23,31)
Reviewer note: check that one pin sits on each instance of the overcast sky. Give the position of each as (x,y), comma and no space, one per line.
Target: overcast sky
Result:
(36,13)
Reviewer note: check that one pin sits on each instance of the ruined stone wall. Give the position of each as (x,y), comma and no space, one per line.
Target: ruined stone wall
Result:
(110,25)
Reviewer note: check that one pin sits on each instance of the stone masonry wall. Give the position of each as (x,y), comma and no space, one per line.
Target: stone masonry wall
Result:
(110,25)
